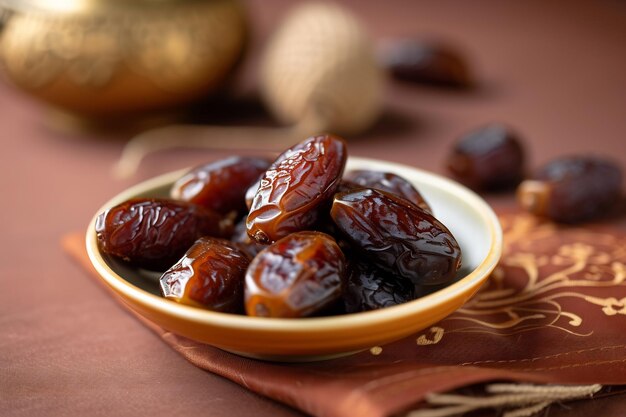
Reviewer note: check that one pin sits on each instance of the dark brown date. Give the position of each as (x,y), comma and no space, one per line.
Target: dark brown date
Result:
(296,276)
(210,275)
(155,233)
(369,288)
(345,185)
(572,189)
(296,187)
(244,242)
(488,158)
(397,236)
(251,192)
(221,185)
(427,63)
(389,182)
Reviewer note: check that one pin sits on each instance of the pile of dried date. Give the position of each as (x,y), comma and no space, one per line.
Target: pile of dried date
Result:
(569,189)
(292,238)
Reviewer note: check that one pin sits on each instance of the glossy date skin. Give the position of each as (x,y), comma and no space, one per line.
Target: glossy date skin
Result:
(251,192)
(488,158)
(368,288)
(397,236)
(573,189)
(241,239)
(296,188)
(221,185)
(210,275)
(389,182)
(297,276)
(155,233)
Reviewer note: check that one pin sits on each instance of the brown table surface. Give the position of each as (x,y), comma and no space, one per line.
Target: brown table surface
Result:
(554,70)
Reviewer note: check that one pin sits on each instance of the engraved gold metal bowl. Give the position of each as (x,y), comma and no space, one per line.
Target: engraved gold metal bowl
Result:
(470,219)
(113,57)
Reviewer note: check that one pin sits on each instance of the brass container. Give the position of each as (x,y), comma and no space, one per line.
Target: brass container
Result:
(96,58)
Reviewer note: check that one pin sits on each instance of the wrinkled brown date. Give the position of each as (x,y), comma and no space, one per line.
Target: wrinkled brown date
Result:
(210,275)
(296,276)
(572,189)
(428,63)
(488,158)
(389,182)
(155,233)
(296,187)
(287,257)
(244,242)
(221,185)
(397,236)
(369,288)
(251,192)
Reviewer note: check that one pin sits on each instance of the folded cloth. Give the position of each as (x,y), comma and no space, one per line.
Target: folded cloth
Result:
(554,311)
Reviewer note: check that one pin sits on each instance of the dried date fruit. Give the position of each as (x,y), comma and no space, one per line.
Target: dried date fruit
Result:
(389,182)
(210,275)
(488,158)
(345,185)
(326,225)
(572,189)
(297,276)
(369,288)
(155,233)
(221,185)
(244,242)
(251,192)
(428,63)
(296,188)
(397,236)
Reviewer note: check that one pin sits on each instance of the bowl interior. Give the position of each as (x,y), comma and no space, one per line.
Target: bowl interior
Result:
(468,217)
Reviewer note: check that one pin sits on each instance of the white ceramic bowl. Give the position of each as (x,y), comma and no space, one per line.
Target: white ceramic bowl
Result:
(468,217)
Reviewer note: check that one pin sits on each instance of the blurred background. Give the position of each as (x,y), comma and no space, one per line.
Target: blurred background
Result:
(89,75)
(549,69)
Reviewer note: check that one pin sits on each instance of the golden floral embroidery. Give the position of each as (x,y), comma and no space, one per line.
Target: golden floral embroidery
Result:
(544,267)
(610,306)
(437,334)
(376,350)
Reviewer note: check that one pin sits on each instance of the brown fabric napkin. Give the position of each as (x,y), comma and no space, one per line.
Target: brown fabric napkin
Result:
(554,311)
